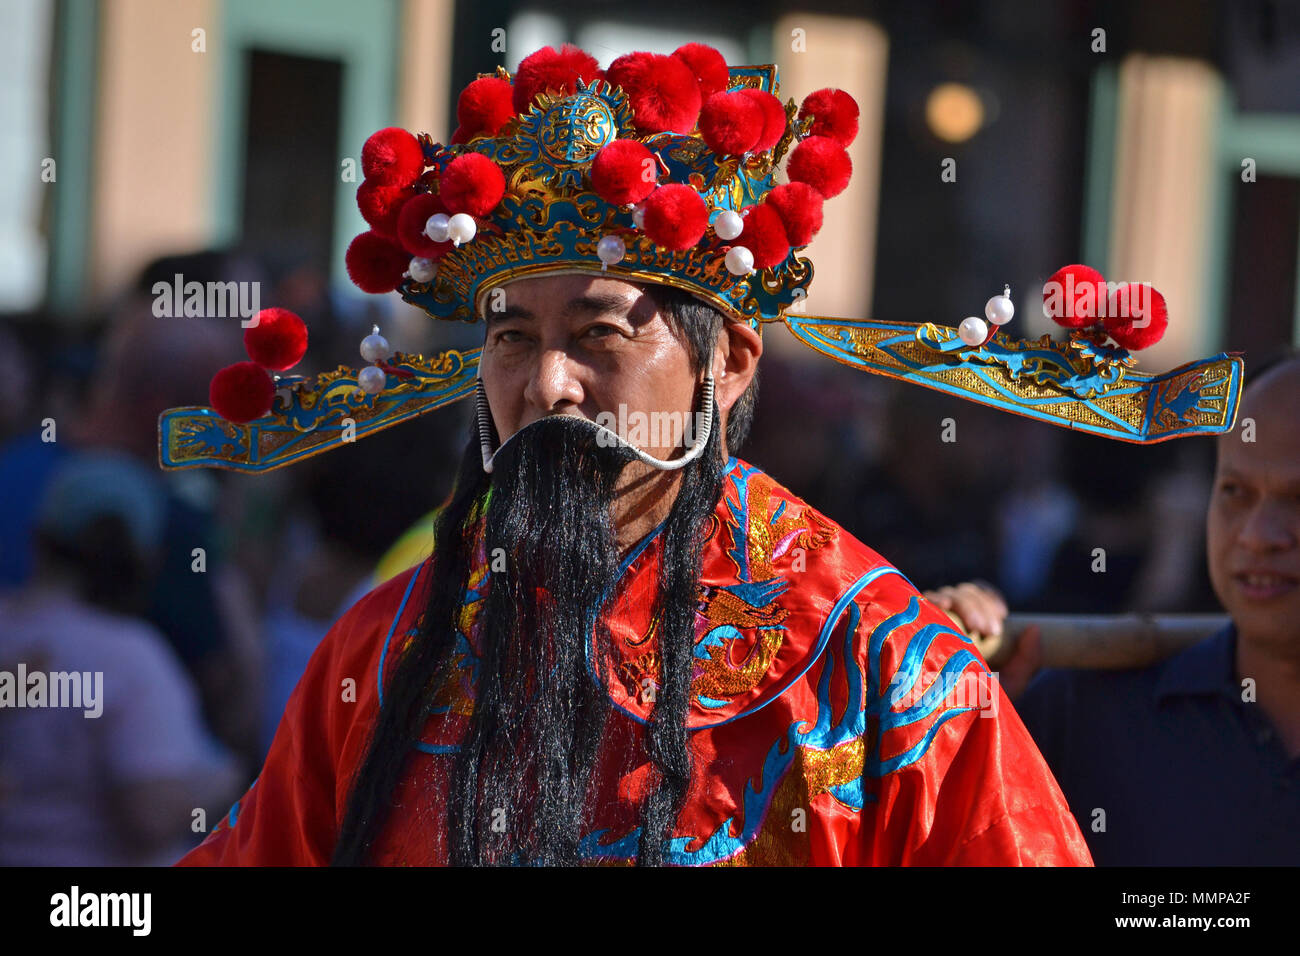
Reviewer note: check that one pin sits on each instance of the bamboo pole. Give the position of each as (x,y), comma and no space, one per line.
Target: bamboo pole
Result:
(1095,642)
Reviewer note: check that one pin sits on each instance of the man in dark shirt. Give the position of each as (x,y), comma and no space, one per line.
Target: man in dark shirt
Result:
(1196,761)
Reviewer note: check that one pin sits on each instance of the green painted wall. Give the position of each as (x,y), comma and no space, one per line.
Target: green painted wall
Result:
(74,66)
(363,36)
(1272,140)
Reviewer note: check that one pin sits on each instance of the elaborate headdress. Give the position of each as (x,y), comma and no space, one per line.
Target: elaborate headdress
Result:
(661,169)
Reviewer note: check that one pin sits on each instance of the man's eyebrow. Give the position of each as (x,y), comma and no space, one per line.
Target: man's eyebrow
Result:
(600,303)
(1228,473)
(509,312)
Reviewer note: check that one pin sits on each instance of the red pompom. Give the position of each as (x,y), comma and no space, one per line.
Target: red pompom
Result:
(800,209)
(708,65)
(822,163)
(381,205)
(835,114)
(764,236)
(552,69)
(1074,295)
(241,392)
(774,120)
(485,106)
(376,264)
(675,216)
(731,123)
(277,341)
(624,172)
(458,137)
(392,157)
(662,91)
(410,227)
(472,183)
(1136,316)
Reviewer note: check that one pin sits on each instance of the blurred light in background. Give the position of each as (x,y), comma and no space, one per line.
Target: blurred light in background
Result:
(954,112)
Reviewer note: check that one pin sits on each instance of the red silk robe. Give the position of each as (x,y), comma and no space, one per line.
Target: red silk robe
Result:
(837,717)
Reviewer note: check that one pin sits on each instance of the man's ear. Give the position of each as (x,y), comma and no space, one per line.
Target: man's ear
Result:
(735,360)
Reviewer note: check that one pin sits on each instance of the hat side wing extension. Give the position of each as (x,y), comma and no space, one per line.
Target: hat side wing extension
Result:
(309,418)
(1080,384)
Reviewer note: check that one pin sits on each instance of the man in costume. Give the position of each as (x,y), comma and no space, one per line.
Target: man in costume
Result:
(629,646)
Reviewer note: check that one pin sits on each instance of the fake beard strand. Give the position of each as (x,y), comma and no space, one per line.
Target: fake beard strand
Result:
(520,785)
(526,762)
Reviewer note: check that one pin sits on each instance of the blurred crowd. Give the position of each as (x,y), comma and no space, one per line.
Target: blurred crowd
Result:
(200,594)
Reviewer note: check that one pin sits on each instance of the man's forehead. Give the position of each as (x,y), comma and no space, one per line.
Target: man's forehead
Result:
(1266,439)
(567,294)
(1275,459)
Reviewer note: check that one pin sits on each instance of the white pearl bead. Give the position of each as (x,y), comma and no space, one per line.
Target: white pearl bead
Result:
(422,269)
(436,227)
(638,217)
(973,330)
(461,228)
(610,250)
(372,379)
(728,225)
(999,309)
(740,261)
(374,348)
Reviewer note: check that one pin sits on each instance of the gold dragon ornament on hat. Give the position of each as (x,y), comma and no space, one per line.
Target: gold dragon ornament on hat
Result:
(663,169)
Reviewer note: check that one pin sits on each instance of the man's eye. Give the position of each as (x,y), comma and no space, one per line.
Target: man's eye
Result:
(509,335)
(1230,488)
(601,331)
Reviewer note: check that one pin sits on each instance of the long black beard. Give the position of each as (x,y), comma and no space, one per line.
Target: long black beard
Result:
(518,788)
(521,777)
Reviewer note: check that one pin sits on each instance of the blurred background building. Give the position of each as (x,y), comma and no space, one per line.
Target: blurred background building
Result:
(1157,140)
(1114,133)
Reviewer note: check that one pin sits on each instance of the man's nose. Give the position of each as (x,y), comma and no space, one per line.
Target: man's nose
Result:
(1267,528)
(553,383)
